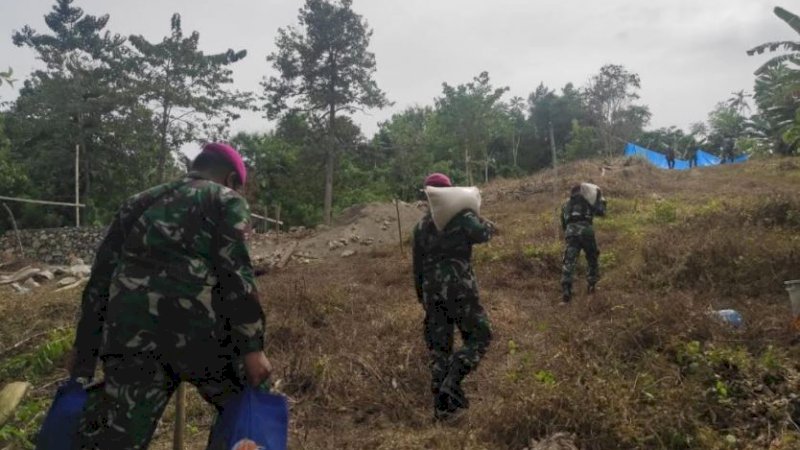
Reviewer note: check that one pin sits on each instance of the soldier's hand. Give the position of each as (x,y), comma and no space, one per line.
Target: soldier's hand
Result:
(257,368)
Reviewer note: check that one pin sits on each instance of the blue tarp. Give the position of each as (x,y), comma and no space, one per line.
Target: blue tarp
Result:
(704,159)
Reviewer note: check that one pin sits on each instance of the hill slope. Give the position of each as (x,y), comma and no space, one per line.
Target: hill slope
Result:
(640,365)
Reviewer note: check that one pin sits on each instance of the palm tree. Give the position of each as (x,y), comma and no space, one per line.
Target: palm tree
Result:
(5,77)
(738,102)
(793,47)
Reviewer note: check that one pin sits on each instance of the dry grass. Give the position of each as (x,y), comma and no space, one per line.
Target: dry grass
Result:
(639,366)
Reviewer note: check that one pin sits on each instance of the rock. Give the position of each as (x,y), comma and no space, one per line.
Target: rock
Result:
(66,281)
(60,270)
(322,227)
(81,270)
(30,283)
(354,238)
(75,261)
(348,253)
(44,275)
(20,289)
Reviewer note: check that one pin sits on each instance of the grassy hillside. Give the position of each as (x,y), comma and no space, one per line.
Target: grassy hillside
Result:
(640,365)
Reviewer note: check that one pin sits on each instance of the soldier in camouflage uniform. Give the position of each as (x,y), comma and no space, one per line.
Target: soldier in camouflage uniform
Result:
(448,290)
(576,222)
(171,298)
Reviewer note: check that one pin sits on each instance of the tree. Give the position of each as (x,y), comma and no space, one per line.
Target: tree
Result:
(469,114)
(738,102)
(777,84)
(324,69)
(564,113)
(71,101)
(777,123)
(185,88)
(725,123)
(6,77)
(409,145)
(793,47)
(609,99)
(516,115)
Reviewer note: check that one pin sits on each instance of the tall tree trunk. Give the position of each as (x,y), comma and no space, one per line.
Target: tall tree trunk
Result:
(330,159)
(486,170)
(467,165)
(163,150)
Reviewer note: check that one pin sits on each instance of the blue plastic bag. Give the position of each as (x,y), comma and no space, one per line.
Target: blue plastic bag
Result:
(730,316)
(60,428)
(253,420)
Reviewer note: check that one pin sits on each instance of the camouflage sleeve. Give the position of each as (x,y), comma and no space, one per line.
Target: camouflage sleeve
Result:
(563,217)
(88,335)
(600,206)
(476,229)
(239,295)
(417,256)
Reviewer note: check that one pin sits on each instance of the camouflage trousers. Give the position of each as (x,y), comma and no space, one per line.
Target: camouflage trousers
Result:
(441,315)
(123,411)
(586,242)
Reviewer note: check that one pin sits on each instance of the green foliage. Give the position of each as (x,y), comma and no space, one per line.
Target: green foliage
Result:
(468,115)
(610,97)
(6,77)
(324,68)
(185,88)
(22,429)
(42,359)
(585,143)
(665,212)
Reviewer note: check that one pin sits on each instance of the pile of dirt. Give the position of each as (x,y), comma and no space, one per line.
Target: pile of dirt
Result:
(356,230)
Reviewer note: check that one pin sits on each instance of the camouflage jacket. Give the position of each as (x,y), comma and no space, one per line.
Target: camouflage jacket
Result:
(577,215)
(172,274)
(442,260)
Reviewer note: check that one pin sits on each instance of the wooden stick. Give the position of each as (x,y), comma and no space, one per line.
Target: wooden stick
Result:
(399,226)
(287,255)
(180,418)
(16,230)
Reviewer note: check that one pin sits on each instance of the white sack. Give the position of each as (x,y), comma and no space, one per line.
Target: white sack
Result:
(589,192)
(446,202)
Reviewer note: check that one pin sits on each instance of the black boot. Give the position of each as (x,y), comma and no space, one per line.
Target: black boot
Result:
(566,297)
(453,389)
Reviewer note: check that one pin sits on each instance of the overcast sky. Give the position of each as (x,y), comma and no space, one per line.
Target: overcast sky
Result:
(690,54)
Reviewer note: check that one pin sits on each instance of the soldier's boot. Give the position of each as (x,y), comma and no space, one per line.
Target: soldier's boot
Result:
(443,408)
(452,388)
(566,295)
(592,288)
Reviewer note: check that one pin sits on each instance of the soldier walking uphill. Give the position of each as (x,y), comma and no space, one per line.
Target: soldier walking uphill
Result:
(171,298)
(447,289)
(576,221)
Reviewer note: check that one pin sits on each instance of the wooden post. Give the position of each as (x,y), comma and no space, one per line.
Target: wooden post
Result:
(16,230)
(278,217)
(77,189)
(399,226)
(180,418)
(266,215)
(555,174)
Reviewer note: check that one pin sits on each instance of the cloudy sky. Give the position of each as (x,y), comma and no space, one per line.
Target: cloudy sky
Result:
(690,54)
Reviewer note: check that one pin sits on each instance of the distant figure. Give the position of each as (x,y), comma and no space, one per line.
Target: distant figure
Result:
(728,150)
(447,289)
(691,155)
(577,216)
(670,158)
